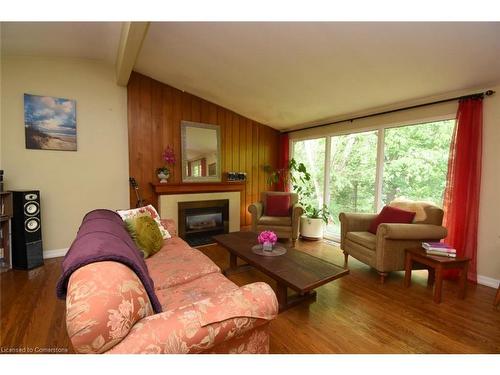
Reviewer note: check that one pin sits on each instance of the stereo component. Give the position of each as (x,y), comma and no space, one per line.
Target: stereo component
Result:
(27,249)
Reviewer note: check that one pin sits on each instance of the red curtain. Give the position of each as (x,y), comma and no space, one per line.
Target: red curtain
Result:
(283,160)
(461,202)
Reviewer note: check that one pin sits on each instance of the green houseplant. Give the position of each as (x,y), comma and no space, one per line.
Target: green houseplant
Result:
(296,174)
(313,221)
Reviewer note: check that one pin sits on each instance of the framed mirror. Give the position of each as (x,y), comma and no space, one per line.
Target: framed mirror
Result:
(200,152)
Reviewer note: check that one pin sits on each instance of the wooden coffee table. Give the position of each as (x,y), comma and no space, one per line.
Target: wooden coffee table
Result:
(436,264)
(295,269)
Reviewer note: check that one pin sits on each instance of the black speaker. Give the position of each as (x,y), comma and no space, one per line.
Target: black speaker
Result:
(27,250)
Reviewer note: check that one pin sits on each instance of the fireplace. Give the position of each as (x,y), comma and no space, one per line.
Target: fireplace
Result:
(200,220)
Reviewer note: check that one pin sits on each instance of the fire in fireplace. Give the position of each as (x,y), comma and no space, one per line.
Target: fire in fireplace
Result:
(200,220)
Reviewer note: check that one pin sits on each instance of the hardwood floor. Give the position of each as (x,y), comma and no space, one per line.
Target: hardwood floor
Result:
(354,314)
(32,318)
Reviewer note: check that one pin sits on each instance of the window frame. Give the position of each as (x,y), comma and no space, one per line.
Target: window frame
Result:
(379,174)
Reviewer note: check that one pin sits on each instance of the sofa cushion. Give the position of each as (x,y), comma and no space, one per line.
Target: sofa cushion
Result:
(365,239)
(176,263)
(146,234)
(196,290)
(278,205)
(170,226)
(275,220)
(141,211)
(391,215)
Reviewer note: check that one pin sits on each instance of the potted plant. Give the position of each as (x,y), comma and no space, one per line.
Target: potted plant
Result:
(314,218)
(168,157)
(293,173)
(313,221)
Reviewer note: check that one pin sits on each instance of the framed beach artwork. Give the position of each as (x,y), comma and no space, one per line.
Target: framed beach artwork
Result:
(49,123)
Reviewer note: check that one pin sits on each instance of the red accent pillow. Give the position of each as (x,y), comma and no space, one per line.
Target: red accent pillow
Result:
(391,215)
(278,205)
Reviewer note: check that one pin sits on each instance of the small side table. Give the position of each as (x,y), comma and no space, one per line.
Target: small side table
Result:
(436,264)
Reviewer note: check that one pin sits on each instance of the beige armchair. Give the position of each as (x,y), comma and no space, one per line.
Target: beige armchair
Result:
(385,251)
(284,227)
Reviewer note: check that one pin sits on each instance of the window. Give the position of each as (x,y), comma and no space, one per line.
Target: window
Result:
(416,161)
(196,168)
(353,169)
(367,170)
(312,154)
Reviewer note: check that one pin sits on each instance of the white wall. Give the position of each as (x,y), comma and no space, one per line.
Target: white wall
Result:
(488,267)
(71,183)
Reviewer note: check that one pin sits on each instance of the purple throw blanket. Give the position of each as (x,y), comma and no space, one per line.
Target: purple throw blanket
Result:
(103,237)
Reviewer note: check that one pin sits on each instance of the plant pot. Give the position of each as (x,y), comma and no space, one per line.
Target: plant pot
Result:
(163,177)
(311,229)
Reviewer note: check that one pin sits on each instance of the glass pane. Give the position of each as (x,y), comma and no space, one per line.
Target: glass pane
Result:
(352,176)
(312,154)
(416,161)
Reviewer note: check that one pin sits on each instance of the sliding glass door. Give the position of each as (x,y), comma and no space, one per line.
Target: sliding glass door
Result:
(352,172)
(361,172)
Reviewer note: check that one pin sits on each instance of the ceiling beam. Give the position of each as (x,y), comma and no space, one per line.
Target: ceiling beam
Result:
(133,34)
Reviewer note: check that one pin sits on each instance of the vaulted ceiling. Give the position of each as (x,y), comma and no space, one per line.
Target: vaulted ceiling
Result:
(90,40)
(288,74)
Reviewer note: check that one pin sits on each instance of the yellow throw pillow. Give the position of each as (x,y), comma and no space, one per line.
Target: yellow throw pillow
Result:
(146,234)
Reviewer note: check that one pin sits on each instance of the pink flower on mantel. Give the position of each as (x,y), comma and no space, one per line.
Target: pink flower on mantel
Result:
(169,156)
(267,236)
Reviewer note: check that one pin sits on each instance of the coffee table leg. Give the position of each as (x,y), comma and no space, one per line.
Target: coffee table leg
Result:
(233,261)
(282,294)
(408,266)
(463,281)
(233,266)
(431,278)
(438,285)
(285,302)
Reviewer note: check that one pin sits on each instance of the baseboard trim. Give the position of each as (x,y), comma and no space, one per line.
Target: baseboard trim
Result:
(488,281)
(47,254)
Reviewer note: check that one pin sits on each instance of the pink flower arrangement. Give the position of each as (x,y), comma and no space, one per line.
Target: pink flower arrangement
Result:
(267,237)
(169,156)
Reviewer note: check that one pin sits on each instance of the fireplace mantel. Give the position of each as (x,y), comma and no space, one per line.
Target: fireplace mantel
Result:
(197,187)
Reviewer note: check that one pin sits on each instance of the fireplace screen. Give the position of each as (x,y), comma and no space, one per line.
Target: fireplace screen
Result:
(200,220)
(204,221)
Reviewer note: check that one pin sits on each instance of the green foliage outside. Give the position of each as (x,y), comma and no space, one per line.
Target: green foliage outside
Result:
(415,167)
(352,174)
(416,161)
(312,154)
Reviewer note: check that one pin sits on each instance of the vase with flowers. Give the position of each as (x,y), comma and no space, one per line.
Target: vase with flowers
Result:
(267,239)
(168,157)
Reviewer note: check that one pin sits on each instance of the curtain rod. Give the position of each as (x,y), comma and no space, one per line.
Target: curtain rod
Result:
(478,95)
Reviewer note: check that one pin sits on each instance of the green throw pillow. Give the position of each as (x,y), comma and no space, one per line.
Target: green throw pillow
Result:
(146,234)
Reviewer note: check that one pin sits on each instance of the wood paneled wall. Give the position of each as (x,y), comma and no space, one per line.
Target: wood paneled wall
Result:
(155,112)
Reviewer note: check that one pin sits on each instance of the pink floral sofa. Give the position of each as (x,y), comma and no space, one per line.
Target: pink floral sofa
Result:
(108,309)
